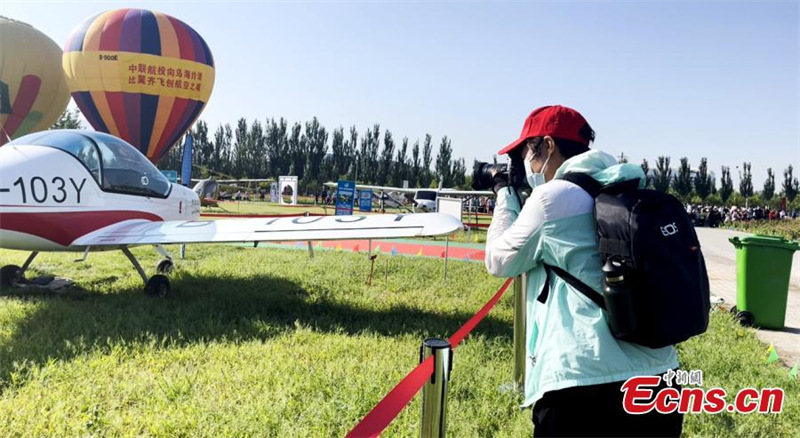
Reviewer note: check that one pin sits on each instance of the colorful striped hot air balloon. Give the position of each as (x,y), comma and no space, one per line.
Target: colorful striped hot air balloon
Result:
(33,92)
(139,75)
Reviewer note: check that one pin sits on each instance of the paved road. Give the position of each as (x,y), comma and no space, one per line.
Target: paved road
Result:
(720,258)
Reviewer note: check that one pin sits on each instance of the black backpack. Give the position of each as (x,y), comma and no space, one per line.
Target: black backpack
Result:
(648,234)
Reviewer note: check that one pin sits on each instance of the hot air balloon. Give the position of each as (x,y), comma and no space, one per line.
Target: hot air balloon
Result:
(33,91)
(139,75)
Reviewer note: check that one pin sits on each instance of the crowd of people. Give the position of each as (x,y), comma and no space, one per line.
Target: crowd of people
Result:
(712,216)
(324,197)
(481,204)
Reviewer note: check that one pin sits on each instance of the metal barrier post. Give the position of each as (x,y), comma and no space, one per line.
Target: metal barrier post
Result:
(434,394)
(520,302)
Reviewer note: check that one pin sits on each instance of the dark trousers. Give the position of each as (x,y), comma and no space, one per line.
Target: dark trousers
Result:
(596,411)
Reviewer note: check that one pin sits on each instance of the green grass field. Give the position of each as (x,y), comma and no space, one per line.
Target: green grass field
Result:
(265,342)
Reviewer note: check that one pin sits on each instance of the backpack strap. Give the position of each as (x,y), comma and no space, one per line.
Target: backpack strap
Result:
(542,298)
(593,188)
(584,181)
(576,284)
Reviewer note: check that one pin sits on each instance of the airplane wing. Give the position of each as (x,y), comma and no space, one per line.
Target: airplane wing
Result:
(376,188)
(452,192)
(142,232)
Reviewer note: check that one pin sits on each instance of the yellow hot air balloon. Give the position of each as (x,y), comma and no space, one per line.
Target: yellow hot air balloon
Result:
(33,89)
(139,75)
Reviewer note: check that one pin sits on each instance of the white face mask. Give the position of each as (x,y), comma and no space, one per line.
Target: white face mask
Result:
(535,179)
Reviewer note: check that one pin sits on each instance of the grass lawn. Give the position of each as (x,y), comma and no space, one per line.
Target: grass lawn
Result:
(266,342)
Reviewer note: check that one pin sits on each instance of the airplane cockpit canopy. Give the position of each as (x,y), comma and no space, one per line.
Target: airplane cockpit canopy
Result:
(117,166)
(427,195)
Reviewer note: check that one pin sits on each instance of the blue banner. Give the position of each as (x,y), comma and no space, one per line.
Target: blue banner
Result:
(186,165)
(172,175)
(345,198)
(365,200)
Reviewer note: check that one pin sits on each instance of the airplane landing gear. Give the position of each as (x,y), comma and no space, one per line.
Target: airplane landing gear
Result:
(13,274)
(165,266)
(157,285)
(10,275)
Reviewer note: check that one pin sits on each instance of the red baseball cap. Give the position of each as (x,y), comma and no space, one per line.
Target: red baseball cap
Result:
(556,121)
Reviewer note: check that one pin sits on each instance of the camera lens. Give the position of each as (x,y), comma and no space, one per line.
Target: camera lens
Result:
(482,178)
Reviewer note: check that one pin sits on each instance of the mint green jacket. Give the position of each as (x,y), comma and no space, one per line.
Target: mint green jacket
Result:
(568,339)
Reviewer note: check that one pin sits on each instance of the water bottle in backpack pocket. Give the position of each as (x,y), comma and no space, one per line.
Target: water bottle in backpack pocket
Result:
(618,300)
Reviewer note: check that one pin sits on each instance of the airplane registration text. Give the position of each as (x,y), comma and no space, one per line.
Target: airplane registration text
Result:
(38,190)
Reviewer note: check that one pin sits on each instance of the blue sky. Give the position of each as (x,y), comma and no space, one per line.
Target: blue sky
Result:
(713,79)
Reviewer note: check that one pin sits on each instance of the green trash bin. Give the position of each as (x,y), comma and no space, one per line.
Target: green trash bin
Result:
(763,269)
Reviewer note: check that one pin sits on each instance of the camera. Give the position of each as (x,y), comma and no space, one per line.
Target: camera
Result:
(482,178)
(514,172)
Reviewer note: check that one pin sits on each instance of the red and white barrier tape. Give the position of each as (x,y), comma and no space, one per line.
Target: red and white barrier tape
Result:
(477,225)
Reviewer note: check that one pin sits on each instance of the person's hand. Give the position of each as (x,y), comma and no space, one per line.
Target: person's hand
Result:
(500,181)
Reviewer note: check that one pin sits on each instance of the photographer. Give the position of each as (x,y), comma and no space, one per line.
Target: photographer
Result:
(575,367)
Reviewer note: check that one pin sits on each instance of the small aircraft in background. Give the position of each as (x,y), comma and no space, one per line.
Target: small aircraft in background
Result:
(208,190)
(82,191)
(423,200)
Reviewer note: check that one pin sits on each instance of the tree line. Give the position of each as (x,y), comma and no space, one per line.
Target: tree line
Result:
(274,149)
(316,155)
(695,186)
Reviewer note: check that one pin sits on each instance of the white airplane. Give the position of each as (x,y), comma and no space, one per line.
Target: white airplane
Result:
(208,190)
(75,190)
(424,199)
